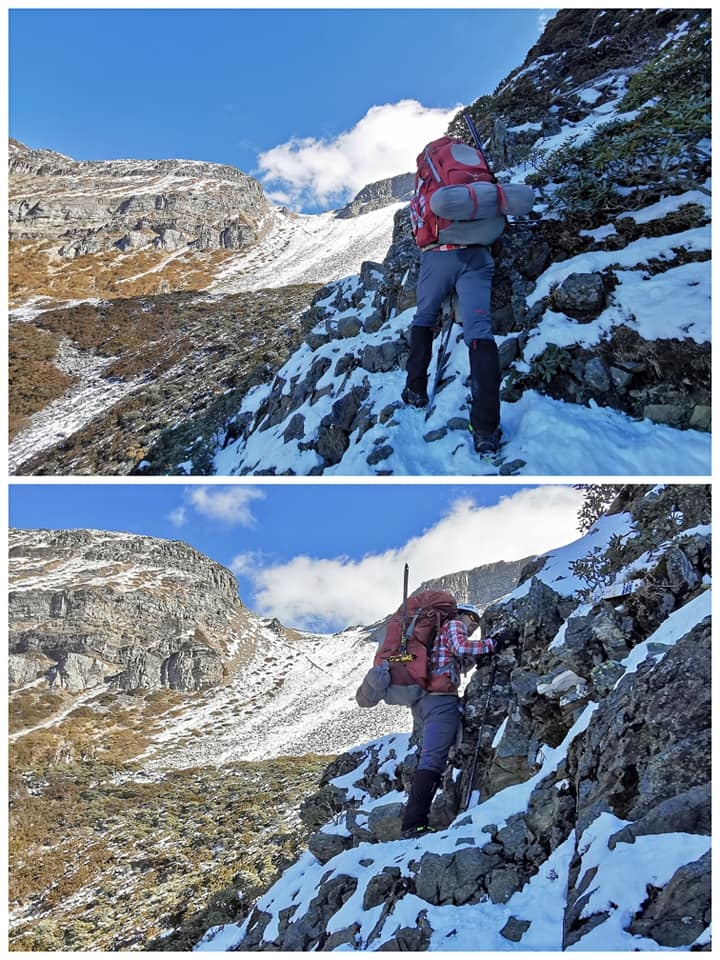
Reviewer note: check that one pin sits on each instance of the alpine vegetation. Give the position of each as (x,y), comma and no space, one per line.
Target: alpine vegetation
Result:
(600,305)
(185,772)
(574,813)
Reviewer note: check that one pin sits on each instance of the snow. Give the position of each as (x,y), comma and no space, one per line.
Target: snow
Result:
(677,625)
(84,400)
(543,436)
(618,888)
(310,248)
(637,253)
(552,437)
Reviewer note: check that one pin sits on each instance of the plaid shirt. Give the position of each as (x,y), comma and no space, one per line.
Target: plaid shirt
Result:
(455,652)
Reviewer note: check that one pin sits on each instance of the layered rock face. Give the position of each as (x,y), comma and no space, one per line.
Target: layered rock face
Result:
(379,194)
(90,607)
(480,585)
(92,206)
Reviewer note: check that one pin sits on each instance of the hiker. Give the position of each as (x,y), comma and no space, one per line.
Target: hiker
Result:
(458,213)
(437,715)
(467,270)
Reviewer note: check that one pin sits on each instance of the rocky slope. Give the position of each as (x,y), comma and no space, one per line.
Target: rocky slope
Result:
(592,731)
(379,194)
(621,227)
(483,584)
(91,206)
(162,738)
(132,283)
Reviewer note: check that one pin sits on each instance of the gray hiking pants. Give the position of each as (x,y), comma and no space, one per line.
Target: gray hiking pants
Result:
(469,272)
(438,716)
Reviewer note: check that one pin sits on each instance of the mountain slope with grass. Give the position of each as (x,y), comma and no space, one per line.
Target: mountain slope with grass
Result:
(601,298)
(162,737)
(574,813)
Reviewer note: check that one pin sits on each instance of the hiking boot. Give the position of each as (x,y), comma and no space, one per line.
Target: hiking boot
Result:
(422,791)
(412,833)
(484,389)
(414,399)
(487,444)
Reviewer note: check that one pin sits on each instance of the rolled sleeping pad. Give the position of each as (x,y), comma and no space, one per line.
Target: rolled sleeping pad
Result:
(474,232)
(482,200)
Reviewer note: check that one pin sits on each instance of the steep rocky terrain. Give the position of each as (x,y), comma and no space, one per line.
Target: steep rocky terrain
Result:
(621,228)
(482,584)
(162,738)
(116,607)
(575,811)
(94,206)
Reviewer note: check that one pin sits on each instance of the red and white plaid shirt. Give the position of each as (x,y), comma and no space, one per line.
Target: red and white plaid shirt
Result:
(454,652)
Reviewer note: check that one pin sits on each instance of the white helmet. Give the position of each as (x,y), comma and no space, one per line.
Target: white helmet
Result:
(469,609)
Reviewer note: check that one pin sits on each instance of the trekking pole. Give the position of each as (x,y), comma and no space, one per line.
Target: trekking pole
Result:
(406,574)
(476,138)
(468,790)
(402,656)
(442,357)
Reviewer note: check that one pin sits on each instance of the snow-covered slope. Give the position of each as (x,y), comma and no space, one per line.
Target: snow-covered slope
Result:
(309,248)
(543,436)
(602,307)
(602,845)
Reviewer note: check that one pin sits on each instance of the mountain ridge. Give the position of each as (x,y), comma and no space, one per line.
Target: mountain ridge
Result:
(622,224)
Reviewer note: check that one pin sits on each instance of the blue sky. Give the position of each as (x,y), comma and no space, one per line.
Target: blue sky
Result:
(309,100)
(318,554)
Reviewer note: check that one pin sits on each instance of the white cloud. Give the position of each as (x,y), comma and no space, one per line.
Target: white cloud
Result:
(178,517)
(247,564)
(337,592)
(231,505)
(311,172)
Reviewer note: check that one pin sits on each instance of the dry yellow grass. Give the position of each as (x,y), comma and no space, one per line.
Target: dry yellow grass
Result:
(36,270)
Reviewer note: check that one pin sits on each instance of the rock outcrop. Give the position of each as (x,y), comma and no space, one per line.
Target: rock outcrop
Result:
(87,608)
(379,194)
(481,585)
(583,751)
(91,206)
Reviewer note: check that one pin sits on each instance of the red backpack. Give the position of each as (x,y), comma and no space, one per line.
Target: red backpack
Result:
(444,162)
(408,652)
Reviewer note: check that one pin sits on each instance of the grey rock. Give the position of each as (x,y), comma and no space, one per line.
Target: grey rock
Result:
(384,822)
(374,321)
(514,929)
(673,414)
(77,671)
(171,628)
(379,194)
(325,846)
(452,878)
(295,429)
(380,887)
(677,914)
(596,376)
(349,326)
(380,358)
(26,667)
(379,453)
(504,882)
(701,418)
(581,296)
